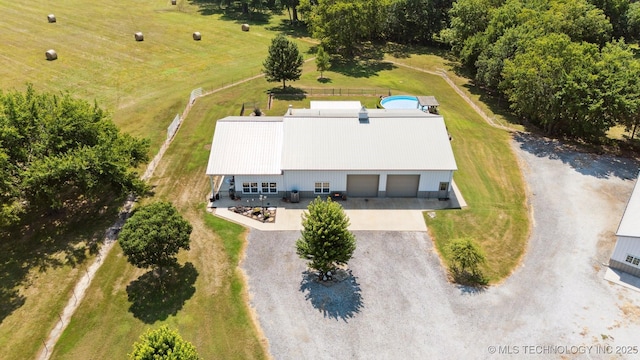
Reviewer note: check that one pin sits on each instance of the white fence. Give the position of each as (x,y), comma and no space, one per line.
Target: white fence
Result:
(196,93)
(173,127)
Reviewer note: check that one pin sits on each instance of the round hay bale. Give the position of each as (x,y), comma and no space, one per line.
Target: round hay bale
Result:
(51,18)
(51,55)
(173,2)
(245,27)
(139,36)
(197,36)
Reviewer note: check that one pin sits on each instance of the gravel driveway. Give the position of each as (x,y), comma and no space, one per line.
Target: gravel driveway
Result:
(397,304)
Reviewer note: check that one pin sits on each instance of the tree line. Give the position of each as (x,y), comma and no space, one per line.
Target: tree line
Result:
(562,65)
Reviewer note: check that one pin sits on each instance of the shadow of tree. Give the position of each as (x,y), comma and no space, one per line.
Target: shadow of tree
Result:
(290,93)
(335,300)
(496,103)
(597,165)
(298,30)
(45,240)
(360,68)
(471,290)
(154,299)
(232,11)
(403,51)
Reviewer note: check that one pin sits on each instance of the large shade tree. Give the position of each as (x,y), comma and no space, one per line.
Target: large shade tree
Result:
(163,344)
(56,151)
(326,241)
(153,236)
(284,61)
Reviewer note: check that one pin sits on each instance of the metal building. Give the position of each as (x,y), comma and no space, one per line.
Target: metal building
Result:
(626,254)
(332,149)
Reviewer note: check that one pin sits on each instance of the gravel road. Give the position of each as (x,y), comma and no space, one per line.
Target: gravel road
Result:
(397,304)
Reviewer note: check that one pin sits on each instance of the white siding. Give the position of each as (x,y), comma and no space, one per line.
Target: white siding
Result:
(305,180)
(278,179)
(626,246)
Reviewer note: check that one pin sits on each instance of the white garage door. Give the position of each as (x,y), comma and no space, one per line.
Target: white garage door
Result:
(402,185)
(362,185)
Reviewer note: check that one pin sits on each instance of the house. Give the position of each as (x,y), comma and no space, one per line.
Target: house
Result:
(333,147)
(626,254)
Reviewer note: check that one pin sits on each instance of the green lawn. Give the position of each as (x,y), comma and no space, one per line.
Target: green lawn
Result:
(143,85)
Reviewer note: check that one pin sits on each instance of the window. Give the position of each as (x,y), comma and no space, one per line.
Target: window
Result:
(444,186)
(633,260)
(249,187)
(269,188)
(321,188)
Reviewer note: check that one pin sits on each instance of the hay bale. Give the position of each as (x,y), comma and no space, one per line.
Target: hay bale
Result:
(139,36)
(51,55)
(197,36)
(173,2)
(245,27)
(51,18)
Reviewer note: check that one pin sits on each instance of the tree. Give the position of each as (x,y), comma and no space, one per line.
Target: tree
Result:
(163,344)
(466,257)
(323,62)
(341,25)
(469,19)
(284,61)
(153,235)
(417,21)
(326,240)
(57,151)
(633,21)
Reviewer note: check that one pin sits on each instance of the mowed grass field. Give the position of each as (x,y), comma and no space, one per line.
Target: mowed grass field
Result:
(143,84)
(210,307)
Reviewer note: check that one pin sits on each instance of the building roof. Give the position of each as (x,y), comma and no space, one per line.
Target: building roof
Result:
(427,101)
(246,145)
(330,139)
(336,105)
(630,223)
(389,140)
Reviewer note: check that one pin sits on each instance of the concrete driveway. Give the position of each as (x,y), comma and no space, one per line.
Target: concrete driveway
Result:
(397,304)
(399,214)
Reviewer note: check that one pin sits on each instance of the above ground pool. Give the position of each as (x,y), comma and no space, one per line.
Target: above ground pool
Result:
(400,102)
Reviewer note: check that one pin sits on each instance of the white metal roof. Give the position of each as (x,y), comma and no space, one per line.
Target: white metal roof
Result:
(330,139)
(630,223)
(353,105)
(246,145)
(390,140)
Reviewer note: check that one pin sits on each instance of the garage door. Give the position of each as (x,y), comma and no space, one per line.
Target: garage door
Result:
(402,185)
(362,185)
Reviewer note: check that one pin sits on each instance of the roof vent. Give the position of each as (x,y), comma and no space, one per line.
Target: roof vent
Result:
(363,116)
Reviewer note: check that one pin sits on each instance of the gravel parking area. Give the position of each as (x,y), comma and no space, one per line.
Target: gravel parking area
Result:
(397,304)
